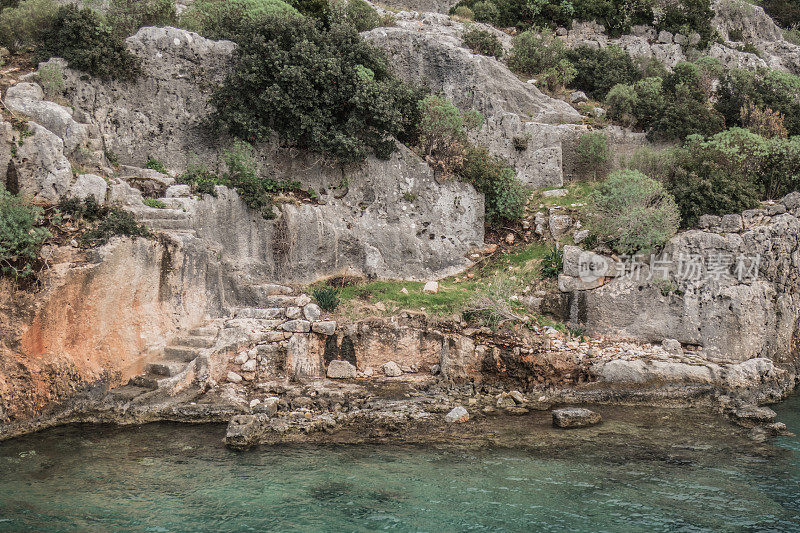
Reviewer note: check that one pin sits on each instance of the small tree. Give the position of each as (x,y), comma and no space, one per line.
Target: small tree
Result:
(443,132)
(632,213)
(483,42)
(594,154)
(534,53)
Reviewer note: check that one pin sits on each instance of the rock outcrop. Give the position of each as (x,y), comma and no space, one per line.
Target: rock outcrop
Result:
(365,222)
(728,293)
(426,48)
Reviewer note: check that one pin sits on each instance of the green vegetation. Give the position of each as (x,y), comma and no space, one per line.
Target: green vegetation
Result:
(83,38)
(21,26)
(21,238)
(786,13)
(553,262)
(479,295)
(765,88)
(126,17)
(442,133)
(632,213)
(105,222)
(725,173)
(594,155)
(491,175)
(155,202)
(600,69)
(463,12)
(325,90)
(224,19)
(116,222)
(51,78)
(618,16)
(544,55)
(483,42)
(358,13)
(243,175)
(154,164)
(327,298)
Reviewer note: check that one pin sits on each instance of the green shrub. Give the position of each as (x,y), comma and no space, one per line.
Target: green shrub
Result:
(504,192)
(553,262)
(201,179)
(622,103)
(786,13)
(325,90)
(126,17)
(223,19)
(51,78)
(533,53)
(20,237)
(115,223)
(650,100)
(318,9)
(243,175)
(632,213)
(483,42)
(486,12)
(87,43)
(21,26)
(594,155)
(764,88)
(598,70)
(361,15)
(154,164)
(88,209)
(442,132)
(327,298)
(464,12)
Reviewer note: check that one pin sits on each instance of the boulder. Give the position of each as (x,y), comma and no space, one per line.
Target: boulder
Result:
(297,326)
(391,369)
(431,287)
(458,415)
(559,225)
(312,312)
(575,417)
(555,193)
(753,413)
(89,185)
(57,119)
(43,172)
(325,327)
(233,377)
(341,370)
(578,97)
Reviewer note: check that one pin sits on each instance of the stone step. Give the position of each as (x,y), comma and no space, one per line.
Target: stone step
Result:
(166,368)
(204,331)
(154,213)
(262,313)
(280,301)
(195,341)
(272,289)
(181,353)
(145,381)
(168,223)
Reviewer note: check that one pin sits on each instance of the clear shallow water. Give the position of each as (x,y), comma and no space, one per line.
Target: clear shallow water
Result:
(160,478)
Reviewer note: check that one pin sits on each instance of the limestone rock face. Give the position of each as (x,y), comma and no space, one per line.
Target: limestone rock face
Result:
(733,295)
(26,99)
(426,48)
(363,228)
(42,171)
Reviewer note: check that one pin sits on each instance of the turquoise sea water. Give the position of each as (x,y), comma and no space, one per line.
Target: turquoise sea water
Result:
(160,478)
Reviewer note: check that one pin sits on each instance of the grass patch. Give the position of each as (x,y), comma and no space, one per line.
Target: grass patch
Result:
(515,273)
(579,193)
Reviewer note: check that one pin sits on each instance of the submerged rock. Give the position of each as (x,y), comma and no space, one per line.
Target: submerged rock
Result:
(575,417)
